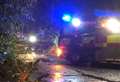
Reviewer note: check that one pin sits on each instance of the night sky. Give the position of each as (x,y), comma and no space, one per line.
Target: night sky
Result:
(53,9)
(49,12)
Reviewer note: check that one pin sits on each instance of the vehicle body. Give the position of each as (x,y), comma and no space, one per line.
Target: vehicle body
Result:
(79,49)
(109,51)
(98,46)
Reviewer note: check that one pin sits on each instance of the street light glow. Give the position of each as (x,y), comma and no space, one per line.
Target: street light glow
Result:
(32,38)
(113,25)
(66,18)
(76,22)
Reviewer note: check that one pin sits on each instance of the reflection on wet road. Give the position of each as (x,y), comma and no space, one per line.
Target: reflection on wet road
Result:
(60,73)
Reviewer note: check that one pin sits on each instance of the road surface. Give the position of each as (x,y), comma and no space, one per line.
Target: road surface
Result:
(59,73)
(107,74)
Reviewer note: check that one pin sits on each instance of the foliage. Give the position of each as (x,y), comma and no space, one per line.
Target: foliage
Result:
(11,68)
(7,43)
(14,13)
(13,17)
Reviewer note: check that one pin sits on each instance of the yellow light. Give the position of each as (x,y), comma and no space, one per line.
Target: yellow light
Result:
(28,57)
(57,67)
(33,54)
(57,77)
(59,52)
(112,24)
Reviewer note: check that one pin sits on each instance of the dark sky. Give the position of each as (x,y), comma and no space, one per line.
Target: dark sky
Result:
(50,11)
(48,7)
(47,12)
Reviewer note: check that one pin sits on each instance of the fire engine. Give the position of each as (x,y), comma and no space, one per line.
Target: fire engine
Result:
(98,43)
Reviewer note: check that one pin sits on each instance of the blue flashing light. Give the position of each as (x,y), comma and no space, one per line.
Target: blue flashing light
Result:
(66,18)
(76,22)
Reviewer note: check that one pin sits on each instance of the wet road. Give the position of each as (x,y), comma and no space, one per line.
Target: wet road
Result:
(60,73)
